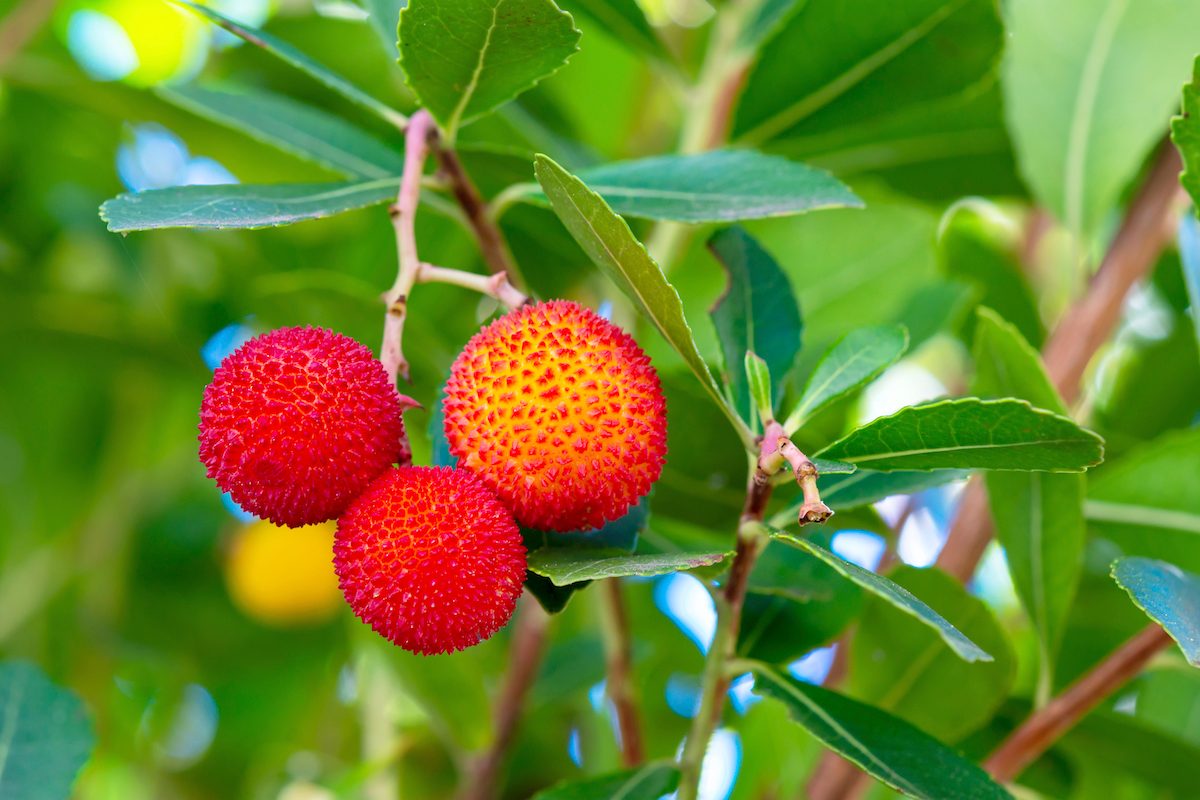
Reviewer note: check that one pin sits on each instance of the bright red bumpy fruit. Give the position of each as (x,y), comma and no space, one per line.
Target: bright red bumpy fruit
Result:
(430,559)
(560,413)
(297,423)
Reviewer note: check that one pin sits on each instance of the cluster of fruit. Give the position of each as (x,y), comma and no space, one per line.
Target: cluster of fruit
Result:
(555,416)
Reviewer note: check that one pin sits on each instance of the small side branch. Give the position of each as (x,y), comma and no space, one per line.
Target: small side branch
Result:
(618,654)
(495,286)
(492,245)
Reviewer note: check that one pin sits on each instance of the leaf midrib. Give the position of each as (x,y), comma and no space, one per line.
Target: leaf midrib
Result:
(469,92)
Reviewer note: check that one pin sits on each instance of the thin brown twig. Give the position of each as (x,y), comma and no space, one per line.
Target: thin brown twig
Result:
(1047,724)
(492,244)
(481,780)
(618,656)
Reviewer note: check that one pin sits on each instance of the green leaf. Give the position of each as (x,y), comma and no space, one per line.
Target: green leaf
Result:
(45,735)
(300,61)
(852,361)
(758,379)
(607,240)
(766,19)
(463,58)
(241,205)
(565,566)
(890,749)
(648,782)
(302,131)
(867,486)
(718,186)
(1185,133)
(757,313)
(904,667)
(1087,85)
(838,64)
(897,595)
(625,21)
(1168,595)
(1039,517)
(970,433)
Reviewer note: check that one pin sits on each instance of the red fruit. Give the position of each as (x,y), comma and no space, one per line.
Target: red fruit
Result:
(297,423)
(560,413)
(430,559)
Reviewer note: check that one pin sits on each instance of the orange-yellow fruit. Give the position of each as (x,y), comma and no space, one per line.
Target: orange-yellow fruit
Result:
(560,413)
(430,559)
(283,576)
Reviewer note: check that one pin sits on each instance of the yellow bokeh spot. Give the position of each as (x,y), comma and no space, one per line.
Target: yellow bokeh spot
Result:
(284,576)
(154,41)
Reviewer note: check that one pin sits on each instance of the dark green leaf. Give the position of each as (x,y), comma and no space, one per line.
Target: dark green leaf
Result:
(463,58)
(1087,86)
(648,782)
(300,61)
(1168,595)
(970,433)
(303,131)
(757,313)
(625,21)
(45,735)
(241,205)
(904,667)
(867,486)
(855,359)
(550,597)
(1039,517)
(607,240)
(565,566)
(897,595)
(1185,133)
(890,749)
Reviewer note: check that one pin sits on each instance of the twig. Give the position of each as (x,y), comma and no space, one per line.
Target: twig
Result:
(1058,716)
(492,245)
(495,286)
(525,655)
(618,655)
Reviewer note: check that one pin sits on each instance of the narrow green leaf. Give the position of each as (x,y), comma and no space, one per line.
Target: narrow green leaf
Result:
(867,486)
(625,21)
(300,61)
(241,205)
(895,594)
(758,379)
(564,566)
(1168,595)
(45,735)
(718,186)
(294,128)
(852,361)
(904,667)
(889,749)
(970,433)
(1087,85)
(463,58)
(758,313)
(1185,133)
(648,782)
(607,240)
(1039,517)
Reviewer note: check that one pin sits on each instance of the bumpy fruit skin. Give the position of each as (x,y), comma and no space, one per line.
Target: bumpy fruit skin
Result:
(560,413)
(430,559)
(297,423)
(283,576)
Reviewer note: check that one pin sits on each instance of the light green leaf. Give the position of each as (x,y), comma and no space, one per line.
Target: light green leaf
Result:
(624,20)
(888,748)
(970,433)
(648,782)
(904,667)
(464,58)
(241,205)
(607,240)
(302,131)
(718,186)
(1039,517)
(855,359)
(895,594)
(1185,133)
(564,566)
(1088,86)
(757,313)
(837,64)
(867,486)
(300,61)
(1168,595)
(758,379)
(45,735)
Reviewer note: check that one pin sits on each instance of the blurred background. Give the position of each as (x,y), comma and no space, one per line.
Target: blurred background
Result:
(214,652)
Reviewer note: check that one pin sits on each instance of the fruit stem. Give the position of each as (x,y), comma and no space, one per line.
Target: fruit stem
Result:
(495,286)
